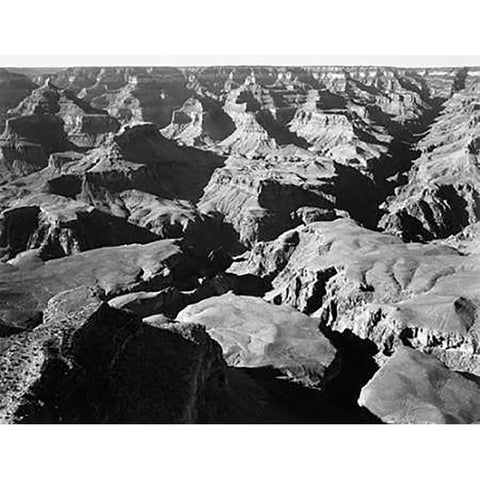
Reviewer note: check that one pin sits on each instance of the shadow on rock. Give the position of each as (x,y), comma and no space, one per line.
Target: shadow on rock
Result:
(357,367)
(260,395)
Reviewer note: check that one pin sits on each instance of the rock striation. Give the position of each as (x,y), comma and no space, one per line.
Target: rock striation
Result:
(14,87)
(239,245)
(85,125)
(441,196)
(377,287)
(57,226)
(137,187)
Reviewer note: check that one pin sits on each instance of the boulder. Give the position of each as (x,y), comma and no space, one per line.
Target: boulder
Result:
(255,334)
(413,387)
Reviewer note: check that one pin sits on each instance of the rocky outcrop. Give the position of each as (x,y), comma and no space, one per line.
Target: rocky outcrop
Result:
(259,198)
(168,302)
(27,283)
(255,334)
(14,87)
(57,226)
(141,158)
(379,288)
(249,138)
(341,135)
(200,121)
(174,218)
(73,78)
(89,363)
(137,158)
(413,387)
(46,130)
(26,143)
(85,125)
(441,196)
(263,198)
(319,223)
(132,187)
(139,95)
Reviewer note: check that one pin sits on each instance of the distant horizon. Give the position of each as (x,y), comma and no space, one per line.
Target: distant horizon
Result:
(393,61)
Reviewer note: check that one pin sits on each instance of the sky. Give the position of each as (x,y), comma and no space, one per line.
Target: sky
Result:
(287,60)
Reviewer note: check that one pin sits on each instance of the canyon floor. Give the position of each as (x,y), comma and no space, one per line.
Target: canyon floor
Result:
(240,245)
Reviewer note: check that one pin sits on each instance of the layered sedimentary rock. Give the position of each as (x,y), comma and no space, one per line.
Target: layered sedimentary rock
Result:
(26,143)
(85,126)
(146,181)
(441,196)
(263,198)
(200,121)
(258,102)
(140,157)
(58,226)
(341,135)
(376,286)
(144,178)
(320,223)
(173,218)
(139,95)
(14,87)
(259,198)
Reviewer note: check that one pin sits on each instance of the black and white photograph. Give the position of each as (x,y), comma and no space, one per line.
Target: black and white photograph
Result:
(240,245)
(244,240)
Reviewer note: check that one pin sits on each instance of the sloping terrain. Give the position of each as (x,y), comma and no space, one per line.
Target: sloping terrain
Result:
(240,245)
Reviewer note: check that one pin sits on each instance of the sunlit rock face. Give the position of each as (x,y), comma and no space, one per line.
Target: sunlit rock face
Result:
(441,195)
(84,125)
(374,285)
(416,388)
(250,244)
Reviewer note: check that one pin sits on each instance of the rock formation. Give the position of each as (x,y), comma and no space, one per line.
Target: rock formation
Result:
(441,196)
(88,363)
(14,87)
(255,334)
(240,245)
(85,125)
(27,283)
(413,387)
(376,286)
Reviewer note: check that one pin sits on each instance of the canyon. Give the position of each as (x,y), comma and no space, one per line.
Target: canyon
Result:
(240,245)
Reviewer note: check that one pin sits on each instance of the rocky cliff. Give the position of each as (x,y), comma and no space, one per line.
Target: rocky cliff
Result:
(240,245)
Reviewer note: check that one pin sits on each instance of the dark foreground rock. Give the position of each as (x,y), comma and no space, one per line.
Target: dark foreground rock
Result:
(89,363)
(280,300)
